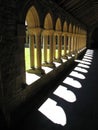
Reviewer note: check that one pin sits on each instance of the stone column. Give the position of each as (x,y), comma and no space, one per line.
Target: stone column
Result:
(65,47)
(54,47)
(48,35)
(45,49)
(38,70)
(31,41)
(75,47)
(59,48)
(51,51)
(27,38)
(78,43)
(69,45)
(58,58)
(72,45)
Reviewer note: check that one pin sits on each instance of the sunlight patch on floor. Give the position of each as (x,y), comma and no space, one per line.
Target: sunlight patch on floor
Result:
(69,57)
(80,69)
(64,60)
(82,65)
(87,57)
(74,83)
(57,64)
(47,69)
(31,78)
(84,62)
(84,59)
(53,112)
(65,94)
(77,75)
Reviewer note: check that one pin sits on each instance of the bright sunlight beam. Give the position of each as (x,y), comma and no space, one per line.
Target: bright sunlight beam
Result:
(53,112)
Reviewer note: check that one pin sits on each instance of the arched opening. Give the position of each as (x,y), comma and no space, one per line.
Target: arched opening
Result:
(47,54)
(32,46)
(64,40)
(70,28)
(94,39)
(69,39)
(65,27)
(58,25)
(58,39)
(74,29)
(48,24)
(31,22)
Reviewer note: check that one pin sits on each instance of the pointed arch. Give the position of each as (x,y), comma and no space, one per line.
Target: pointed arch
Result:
(32,18)
(77,30)
(48,23)
(70,27)
(74,28)
(65,27)
(58,25)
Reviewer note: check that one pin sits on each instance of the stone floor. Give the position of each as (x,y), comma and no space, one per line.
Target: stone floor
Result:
(71,104)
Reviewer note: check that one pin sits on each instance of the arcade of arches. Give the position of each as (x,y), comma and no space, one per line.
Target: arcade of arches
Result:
(49,34)
(51,44)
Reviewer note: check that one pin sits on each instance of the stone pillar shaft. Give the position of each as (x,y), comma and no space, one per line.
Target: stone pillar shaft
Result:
(59,47)
(51,49)
(45,48)
(38,50)
(65,47)
(31,38)
(69,45)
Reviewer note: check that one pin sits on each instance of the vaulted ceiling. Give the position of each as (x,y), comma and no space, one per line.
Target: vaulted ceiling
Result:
(86,11)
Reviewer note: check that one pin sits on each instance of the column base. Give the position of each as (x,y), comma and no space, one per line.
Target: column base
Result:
(69,54)
(65,57)
(37,71)
(58,60)
(76,55)
(51,65)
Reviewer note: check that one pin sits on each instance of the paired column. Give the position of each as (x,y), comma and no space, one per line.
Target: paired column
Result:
(32,56)
(69,45)
(57,47)
(72,44)
(65,46)
(48,48)
(35,52)
(27,39)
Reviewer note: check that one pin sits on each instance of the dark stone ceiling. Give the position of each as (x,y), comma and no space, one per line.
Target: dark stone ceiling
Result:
(86,11)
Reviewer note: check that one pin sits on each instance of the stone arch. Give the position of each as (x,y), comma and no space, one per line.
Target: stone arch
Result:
(74,28)
(65,26)
(77,29)
(70,28)
(48,23)
(58,25)
(32,17)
